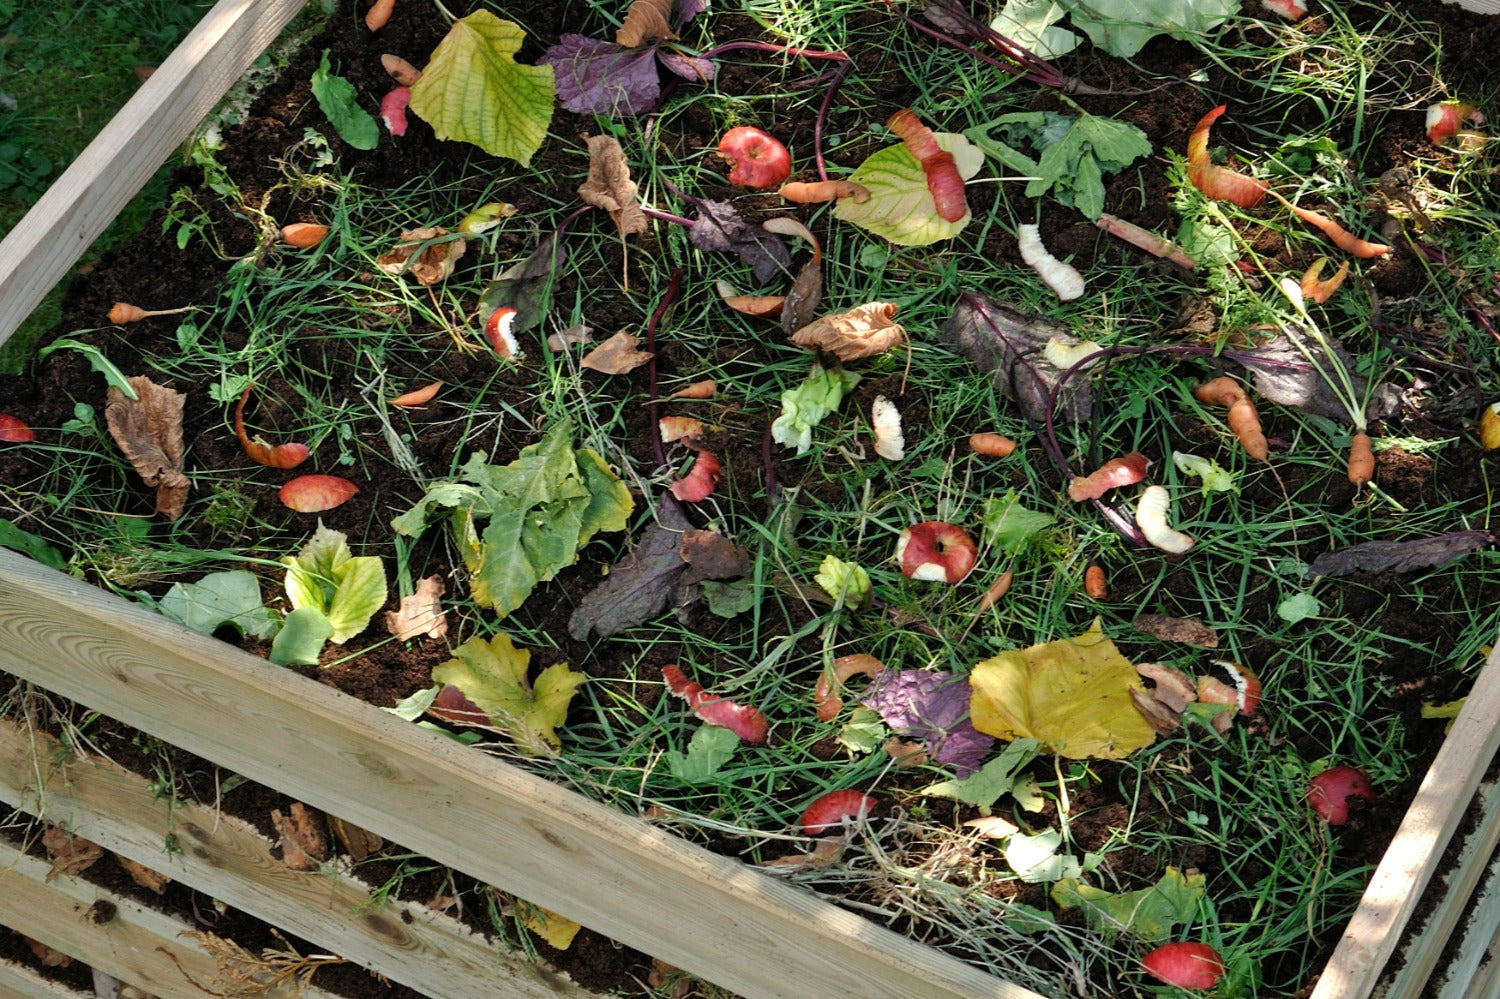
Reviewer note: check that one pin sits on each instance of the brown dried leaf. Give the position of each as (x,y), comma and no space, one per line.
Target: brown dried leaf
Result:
(802,302)
(609,185)
(828,851)
(575,334)
(50,958)
(434,262)
(1173,688)
(302,841)
(992,827)
(144,876)
(69,854)
(1161,718)
(358,843)
(420,614)
(1188,630)
(710,555)
(645,22)
(148,431)
(617,355)
(861,332)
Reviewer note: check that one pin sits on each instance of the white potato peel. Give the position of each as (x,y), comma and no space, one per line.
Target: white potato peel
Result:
(1064,280)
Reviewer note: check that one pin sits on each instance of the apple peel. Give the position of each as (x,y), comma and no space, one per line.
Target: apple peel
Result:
(744,721)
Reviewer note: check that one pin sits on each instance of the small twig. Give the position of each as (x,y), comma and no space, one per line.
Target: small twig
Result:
(674,286)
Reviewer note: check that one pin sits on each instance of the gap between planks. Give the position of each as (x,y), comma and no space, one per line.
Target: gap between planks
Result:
(229,860)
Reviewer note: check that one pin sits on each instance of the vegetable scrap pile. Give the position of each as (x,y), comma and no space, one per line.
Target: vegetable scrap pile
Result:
(645,439)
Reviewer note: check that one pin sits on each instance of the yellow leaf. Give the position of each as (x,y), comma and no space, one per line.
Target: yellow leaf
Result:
(492,674)
(556,930)
(1072,694)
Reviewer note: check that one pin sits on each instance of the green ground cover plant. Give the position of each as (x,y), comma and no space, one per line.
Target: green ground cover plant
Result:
(562,558)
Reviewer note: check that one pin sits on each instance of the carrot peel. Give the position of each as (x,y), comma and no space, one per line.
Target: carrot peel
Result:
(1218,182)
(288,455)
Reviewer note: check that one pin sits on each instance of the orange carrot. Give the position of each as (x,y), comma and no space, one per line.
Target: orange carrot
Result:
(698,390)
(1095,584)
(400,70)
(303,234)
(124,312)
(379,13)
(943,179)
(825,190)
(1215,181)
(1243,418)
(997,591)
(1342,238)
(993,445)
(417,397)
(1361,460)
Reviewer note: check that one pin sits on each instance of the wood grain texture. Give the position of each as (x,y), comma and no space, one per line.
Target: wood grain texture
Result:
(1409,862)
(1479,6)
(20,982)
(227,859)
(711,915)
(127,152)
(134,944)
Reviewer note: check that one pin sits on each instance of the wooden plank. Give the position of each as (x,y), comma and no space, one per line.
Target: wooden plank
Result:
(1455,902)
(1478,6)
(1414,854)
(20,982)
(1472,972)
(713,916)
(227,859)
(134,944)
(128,151)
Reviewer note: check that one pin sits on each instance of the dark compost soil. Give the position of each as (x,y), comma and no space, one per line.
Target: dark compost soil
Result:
(151,269)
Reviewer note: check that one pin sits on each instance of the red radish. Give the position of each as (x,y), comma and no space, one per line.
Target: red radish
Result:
(1111,475)
(744,721)
(393,110)
(834,808)
(14,430)
(936,551)
(943,179)
(498,329)
(1445,119)
(1329,792)
(760,160)
(700,480)
(288,455)
(316,493)
(1292,10)
(826,694)
(1187,965)
(1215,181)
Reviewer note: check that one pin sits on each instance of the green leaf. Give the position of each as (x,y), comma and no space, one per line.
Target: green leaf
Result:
(864,732)
(729,599)
(221,598)
(1215,478)
(1031,24)
(1207,242)
(325,575)
(1123,27)
(1298,607)
(900,206)
(710,748)
(113,375)
(473,90)
(414,706)
(1073,165)
(301,638)
(996,778)
(340,102)
(805,406)
(1152,915)
(1034,858)
(843,580)
(26,543)
(1008,525)
(492,674)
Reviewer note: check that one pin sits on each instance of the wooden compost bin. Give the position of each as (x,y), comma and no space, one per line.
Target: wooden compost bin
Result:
(711,915)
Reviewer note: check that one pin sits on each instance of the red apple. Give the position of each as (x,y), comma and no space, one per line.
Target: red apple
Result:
(1329,792)
(760,160)
(1187,965)
(14,430)
(936,551)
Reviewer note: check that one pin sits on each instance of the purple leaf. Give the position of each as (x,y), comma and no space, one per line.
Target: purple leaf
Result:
(689,9)
(1283,375)
(1401,556)
(695,68)
(598,77)
(1009,345)
(641,584)
(719,227)
(932,706)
